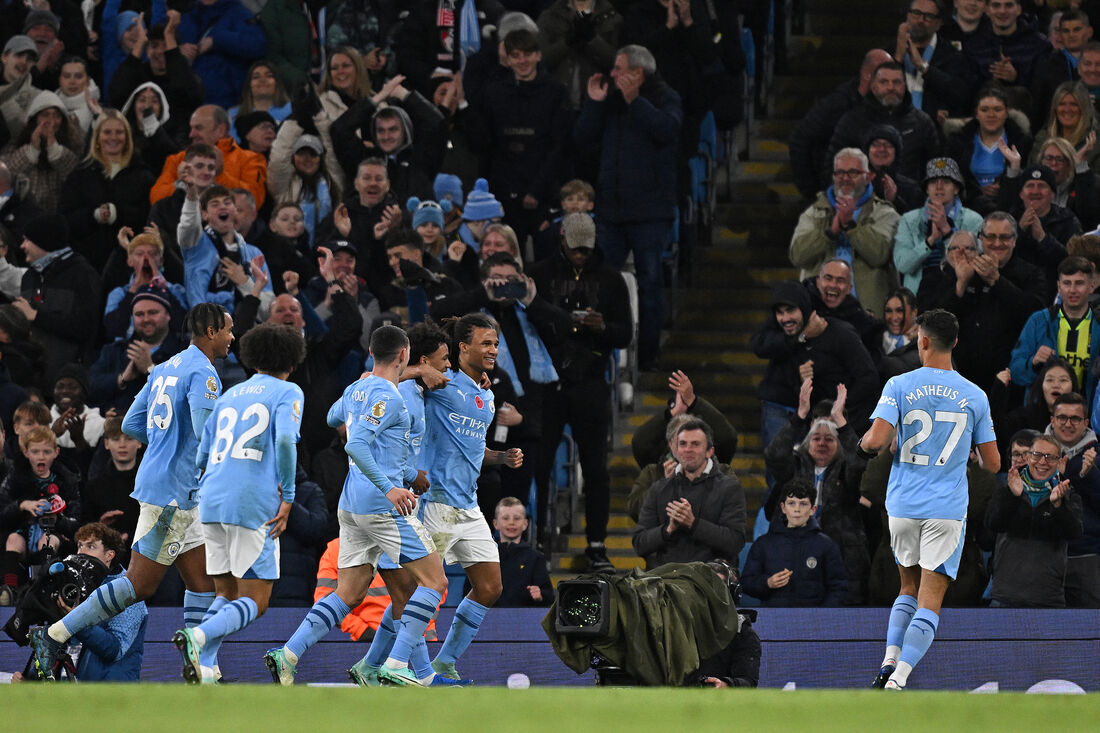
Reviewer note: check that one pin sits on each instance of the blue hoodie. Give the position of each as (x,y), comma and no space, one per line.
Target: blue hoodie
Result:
(238,39)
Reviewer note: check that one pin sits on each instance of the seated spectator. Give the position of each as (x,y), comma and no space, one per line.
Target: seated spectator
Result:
(298,545)
(106,192)
(77,425)
(402,126)
(79,93)
(124,364)
(898,348)
(882,145)
(240,168)
(940,79)
(344,257)
(794,563)
(824,452)
(1072,117)
(578,39)
(36,487)
(848,221)
(214,255)
(1009,50)
(256,132)
(106,497)
(1042,336)
(831,297)
(17,90)
(922,234)
(697,514)
(1083,555)
(887,102)
(156,58)
(649,442)
(992,294)
(1055,378)
(56,282)
(112,650)
(22,357)
(976,147)
(45,151)
(285,244)
(1076,184)
(1034,514)
(145,257)
(263,92)
(1074,31)
(221,38)
(1045,227)
(147,111)
(522,569)
(299,175)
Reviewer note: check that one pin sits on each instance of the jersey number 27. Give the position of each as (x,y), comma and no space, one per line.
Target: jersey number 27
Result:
(907,452)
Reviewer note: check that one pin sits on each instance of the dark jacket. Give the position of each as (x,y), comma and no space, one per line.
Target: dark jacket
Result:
(918,132)
(1050,72)
(181,86)
(649,445)
(838,355)
(638,143)
(421,43)
(585,352)
(575,46)
(837,497)
(990,317)
(718,502)
(950,82)
(1026,47)
(371,262)
(68,297)
(1081,195)
(22,485)
(1029,559)
(299,546)
(809,141)
(818,577)
(852,312)
(1059,225)
(104,392)
(960,148)
(520,566)
(1087,487)
(14,215)
(109,491)
(86,189)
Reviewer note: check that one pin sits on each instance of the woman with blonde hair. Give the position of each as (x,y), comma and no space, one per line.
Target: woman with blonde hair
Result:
(107,191)
(1072,117)
(1077,187)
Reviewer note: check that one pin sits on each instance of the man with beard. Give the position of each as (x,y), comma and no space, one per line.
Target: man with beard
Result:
(888,103)
(939,78)
(849,222)
(124,365)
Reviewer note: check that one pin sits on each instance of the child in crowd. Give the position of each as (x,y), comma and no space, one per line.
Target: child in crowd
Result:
(795,564)
(39,503)
(106,497)
(448,187)
(523,570)
(29,415)
(577,197)
(427,220)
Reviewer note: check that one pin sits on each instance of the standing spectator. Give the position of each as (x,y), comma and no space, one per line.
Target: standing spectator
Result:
(17,90)
(697,514)
(367,26)
(636,127)
(365,217)
(577,281)
(221,38)
(289,27)
(15,211)
(1061,65)
(263,91)
(1009,50)
(60,294)
(579,38)
(79,93)
(120,32)
(106,192)
(42,27)
(285,244)
(831,297)
(45,151)
(882,146)
(848,221)
(651,443)
(106,497)
(303,178)
(940,79)
(439,34)
(77,425)
(1083,554)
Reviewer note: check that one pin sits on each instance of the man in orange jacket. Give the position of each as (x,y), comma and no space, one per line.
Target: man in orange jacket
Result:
(240,168)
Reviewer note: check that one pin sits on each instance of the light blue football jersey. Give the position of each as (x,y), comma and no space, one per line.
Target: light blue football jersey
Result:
(248,450)
(939,415)
(457,417)
(413,395)
(168,415)
(378,426)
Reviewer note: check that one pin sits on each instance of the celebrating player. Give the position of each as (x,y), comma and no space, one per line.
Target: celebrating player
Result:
(457,417)
(376,517)
(938,416)
(168,415)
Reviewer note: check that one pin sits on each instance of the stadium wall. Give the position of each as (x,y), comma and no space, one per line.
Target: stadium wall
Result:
(975,648)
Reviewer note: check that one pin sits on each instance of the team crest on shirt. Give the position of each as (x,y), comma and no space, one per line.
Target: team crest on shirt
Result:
(378,409)
(173,549)
(811,562)
(479,402)
(296,409)
(211,384)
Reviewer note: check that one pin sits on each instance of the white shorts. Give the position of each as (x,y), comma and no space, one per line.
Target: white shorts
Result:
(365,537)
(934,544)
(462,535)
(248,554)
(164,533)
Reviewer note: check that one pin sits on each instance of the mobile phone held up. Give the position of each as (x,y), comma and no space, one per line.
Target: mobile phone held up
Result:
(514,289)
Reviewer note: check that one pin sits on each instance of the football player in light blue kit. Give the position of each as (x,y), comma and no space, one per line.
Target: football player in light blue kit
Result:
(938,415)
(168,416)
(376,516)
(249,452)
(457,417)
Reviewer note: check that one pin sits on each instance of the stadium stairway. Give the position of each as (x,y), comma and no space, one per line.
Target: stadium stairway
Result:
(729,287)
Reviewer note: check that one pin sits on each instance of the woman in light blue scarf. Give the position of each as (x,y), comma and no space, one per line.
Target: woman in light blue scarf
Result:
(922,234)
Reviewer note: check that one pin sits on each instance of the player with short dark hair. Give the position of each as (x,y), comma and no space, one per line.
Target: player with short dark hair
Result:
(938,415)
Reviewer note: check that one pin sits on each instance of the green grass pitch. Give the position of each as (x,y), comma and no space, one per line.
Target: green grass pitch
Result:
(248,708)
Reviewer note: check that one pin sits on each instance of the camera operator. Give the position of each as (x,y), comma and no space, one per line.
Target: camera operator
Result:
(738,664)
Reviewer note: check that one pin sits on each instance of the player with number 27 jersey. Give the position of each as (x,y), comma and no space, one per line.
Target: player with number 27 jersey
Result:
(939,415)
(168,415)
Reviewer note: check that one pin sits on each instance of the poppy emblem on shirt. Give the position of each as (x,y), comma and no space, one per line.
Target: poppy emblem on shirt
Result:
(811,562)
(211,384)
(378,409)
(479,402)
